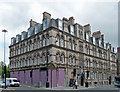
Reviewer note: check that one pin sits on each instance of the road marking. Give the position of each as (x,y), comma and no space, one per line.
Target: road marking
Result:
(8,89)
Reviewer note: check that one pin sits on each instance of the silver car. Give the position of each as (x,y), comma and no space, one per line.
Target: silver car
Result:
(2,84)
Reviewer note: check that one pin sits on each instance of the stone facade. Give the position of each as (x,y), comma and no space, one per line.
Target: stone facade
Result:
(66,48)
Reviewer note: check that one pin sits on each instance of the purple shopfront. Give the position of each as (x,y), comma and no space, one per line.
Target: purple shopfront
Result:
(55,77)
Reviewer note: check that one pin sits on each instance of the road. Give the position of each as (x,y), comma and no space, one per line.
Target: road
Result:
(66,89)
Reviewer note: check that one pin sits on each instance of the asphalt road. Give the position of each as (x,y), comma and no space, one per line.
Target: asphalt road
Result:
(33,89)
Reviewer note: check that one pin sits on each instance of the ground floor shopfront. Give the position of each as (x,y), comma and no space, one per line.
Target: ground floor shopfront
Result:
(32,77)
(56,77)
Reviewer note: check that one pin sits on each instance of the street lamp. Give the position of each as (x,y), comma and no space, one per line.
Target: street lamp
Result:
(4,57)
(47,82)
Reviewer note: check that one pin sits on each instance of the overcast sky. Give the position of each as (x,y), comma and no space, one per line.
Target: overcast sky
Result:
(100,14)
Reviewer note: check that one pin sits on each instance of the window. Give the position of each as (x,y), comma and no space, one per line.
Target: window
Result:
(73,60)
(44,24)
(43,58)
(38,60)
(31,62)
(62,42)
(30,47)
(49,58)
(21,50)
(48,40)
(73,45)
(43,41)
(16,51)
(87,37)
(35,44)
(35,61)
(70,60)
(62,58)
(27,64)
(70,44)
(18,63)
(39,43)
(71,29)
(57,40)
(57,58)
(60,24)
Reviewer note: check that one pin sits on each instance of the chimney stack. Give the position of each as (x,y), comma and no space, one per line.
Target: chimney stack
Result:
(71,20)
(46,15)
(97,34)
(32,23)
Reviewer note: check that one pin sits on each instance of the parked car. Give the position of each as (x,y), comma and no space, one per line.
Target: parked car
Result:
(2,84)
(12,82)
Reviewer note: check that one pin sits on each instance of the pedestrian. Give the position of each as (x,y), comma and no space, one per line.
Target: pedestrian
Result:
(73,83)
(76,84)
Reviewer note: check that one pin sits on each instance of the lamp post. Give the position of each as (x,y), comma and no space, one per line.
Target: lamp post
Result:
(47,82)
(4,57)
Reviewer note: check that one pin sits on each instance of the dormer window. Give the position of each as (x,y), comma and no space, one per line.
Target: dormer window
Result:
(45,24)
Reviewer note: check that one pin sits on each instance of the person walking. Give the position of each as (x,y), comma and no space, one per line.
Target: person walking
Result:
(76,84)
(73,83)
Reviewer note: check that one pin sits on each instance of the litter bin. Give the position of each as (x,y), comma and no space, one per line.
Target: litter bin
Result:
(47,84)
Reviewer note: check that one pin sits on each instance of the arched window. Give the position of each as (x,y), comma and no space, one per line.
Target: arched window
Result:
(24,62)
(31,45)
(70,60)
(57,57)
(62,58)
(43,41)
(35,44)
(21,63)
(39,43)
(74,60)
(27,64)
(62,42)
(21,49)
(57,40)
(73,45)
(31,61)
(70,44)
(24,48)
(35,60)
(43,58)
(49,58)
(18,50)
(48,40)
(38,60)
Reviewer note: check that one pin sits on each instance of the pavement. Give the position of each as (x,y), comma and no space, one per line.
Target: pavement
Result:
(66,88)
(26,87)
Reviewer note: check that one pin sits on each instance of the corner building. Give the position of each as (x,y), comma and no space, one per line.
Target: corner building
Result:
(66,49)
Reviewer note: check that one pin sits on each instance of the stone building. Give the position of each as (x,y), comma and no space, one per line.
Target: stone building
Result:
(66,49)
